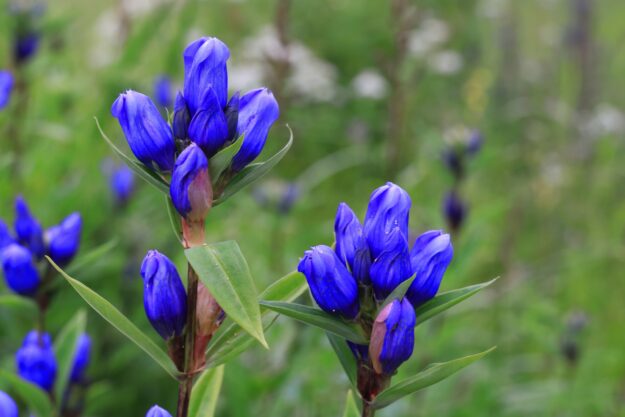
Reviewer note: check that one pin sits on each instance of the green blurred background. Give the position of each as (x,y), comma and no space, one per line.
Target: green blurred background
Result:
(374,91)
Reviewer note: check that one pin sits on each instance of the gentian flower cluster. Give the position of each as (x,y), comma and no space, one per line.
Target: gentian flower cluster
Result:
(6,86)
(205,121)
(456,158)
(35,360)
(21,253)
(370,260)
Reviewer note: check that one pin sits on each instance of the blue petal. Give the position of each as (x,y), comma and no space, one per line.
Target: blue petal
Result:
(209,127)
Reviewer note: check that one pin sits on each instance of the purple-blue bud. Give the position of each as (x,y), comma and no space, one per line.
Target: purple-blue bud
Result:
(82,357)
(389,208)
(258,111)
(6,86)
(474,143)
(232,115)
(430,257)
(147,133)
(392,266)
(190,189)
(204,67)
(182,117)
(163,91)
(28,229)
(8,407)
(351,245)
(25,46)
(64,239)
(5,236)
(122,183)
(332,286)
(392,337)
(35,361)
(209,127)
(157,411)
(455,210)
(20,272)
(164,296)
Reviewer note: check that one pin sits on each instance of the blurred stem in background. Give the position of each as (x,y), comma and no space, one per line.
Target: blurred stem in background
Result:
(282,67)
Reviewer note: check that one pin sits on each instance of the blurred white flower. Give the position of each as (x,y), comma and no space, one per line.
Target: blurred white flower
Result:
(369,83)
(429,35)
(106,39)
(605,120)
(446,62)
(138,8)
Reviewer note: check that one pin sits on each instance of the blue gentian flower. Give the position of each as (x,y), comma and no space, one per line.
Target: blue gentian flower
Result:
(351,245)
(149,136)
(6,86)
(389,208)
(455,210)
(28,228)
(474,144)
(392,266)
(8,407)
(209,126)
(258,110)
(64,239)
(20,272)
(190,189)
(35,360)
(204,70)
(82,358)
(163,91)
(25,46)
(182,117)
(157,411)
(430,257)
(122,183)
(164,296)
(392,337)
(5,236)
(332,286)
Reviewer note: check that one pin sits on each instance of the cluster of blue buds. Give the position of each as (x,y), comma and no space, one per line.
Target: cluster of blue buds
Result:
(35,360)
(8,407)
(204,122)
(6,86)
(20,253)
(164,296)
(371,260)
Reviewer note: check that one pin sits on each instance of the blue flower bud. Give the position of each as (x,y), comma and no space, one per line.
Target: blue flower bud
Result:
(393,266)
(164,297)
(20,272)
(64,239)
(351,245)
(182,117)
(163,91)
(392,337)
(389,208)
(204,67)
(122,183)
(6,86)
(209,127)
(232,116)
(147,133)
(455,210)
(190,189)
(475,142)
(258,110)
(35,360)
(25,46)
(430,256)
(331,284)
(28,228)
(81,358)
(157,411)
(5,236)
(8,407)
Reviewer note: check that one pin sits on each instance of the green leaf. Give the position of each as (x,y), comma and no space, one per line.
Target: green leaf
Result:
(90,257)
(144,172)
(448,299)
(206,393)
(345,355)
(65,347)
(120,322)
(434,373)
(252,172)
(398,292)
(16,301)
(318,318)
(220,162)
(174,218)
(351,409)
(230,340)
(35,398)
(224,270)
